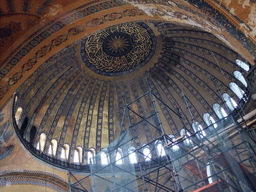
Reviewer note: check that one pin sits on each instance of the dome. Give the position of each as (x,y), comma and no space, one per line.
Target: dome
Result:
(77,96)
(116,95)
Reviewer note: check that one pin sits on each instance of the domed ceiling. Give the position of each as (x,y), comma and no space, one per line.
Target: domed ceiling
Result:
(78,95)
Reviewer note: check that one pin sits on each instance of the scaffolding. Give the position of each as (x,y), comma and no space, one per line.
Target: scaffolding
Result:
(220,157)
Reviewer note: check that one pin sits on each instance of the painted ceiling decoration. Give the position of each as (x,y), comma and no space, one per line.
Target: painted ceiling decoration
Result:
(29,177)
(119,49)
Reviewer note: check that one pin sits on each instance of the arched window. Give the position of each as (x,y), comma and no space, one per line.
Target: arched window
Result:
(18,114)
(198,128)
(220,112)
(209,120)
(119,156)
(54,144)
(65,152)
(50,150)
(104,158)
(160,149)
(233,102)
(24,126)
(236,89)
(78,155)
(187,135)
(224,113)
(38,145)
(240,77)
(146,153)
(229,101)
(90,157)
(62,154)
(132,155)
(243,65)
(32,135)
(42,140)
(175,147)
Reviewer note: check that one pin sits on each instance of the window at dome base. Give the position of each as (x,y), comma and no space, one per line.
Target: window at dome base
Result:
(198,129)
(104,158)
(187,135)
(90,157)
(240,77)
(63,155)
(50,150)
(220,111)
(243,65)
(76,156)
(119,156)
(209,120)
(42,140)
(146,153)
(236,89)
(230,102)
(160,149)
(132,156)
(175,146)
(18,114)
(64,152)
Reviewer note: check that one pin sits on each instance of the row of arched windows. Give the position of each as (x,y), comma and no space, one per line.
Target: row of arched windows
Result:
(132,153)
(65,150)
(104,159)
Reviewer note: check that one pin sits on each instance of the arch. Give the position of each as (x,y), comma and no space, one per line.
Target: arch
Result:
(90,156)
(198,128)
(132,155)
(77,158)
(233,102)
(65,152)
(187,135)
(236,89)
(243,65)
(119,157)
(146,153)
(54,144)
(229,101)
(209,120)
(220,111)
(62,154)
(160,148)
(66,148)
(42,140)
(32,135)
(240,77)
(104,158)
(50,150)
(175,147)
(18,114)
(38,145)
(23,126)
